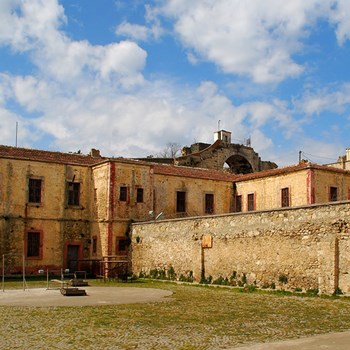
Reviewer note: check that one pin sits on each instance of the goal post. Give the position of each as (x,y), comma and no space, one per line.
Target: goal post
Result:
(5,268)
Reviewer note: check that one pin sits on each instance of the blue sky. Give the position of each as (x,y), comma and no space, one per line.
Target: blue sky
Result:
(127,77)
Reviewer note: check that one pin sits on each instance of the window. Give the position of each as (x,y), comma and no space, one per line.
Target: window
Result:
(122,245)
(123,193)
(94,245)
(34,191)
(285,197)
(251,202)
(33,244)
(238,203)
(180,202)
(209,203)
(333,194)
(73,193)
(139,195)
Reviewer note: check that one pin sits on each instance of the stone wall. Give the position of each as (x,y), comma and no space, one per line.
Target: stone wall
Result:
(296,248)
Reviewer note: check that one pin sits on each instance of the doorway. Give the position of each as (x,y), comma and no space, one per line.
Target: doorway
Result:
(72,257)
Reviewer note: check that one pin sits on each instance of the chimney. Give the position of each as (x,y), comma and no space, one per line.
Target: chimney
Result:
(347,154)
(95,153)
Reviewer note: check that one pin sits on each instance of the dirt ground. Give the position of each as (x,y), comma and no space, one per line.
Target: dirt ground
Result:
(333,341)
(95,296)
(41,297)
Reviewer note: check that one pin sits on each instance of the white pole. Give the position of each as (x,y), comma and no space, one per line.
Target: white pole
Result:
(16,132)
(24,272)
(3,272)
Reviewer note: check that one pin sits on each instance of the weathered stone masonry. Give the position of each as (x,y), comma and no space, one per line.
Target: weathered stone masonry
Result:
(306,247)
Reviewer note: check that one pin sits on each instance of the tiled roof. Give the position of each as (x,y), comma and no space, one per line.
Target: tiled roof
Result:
(289,169)
(47,156)
(209,174)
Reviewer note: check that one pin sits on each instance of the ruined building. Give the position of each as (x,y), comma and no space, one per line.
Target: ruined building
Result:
(237,158)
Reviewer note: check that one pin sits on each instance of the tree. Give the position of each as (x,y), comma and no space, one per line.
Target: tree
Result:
(171,150)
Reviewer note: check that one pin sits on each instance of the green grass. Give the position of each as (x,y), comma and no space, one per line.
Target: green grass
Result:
(194,317)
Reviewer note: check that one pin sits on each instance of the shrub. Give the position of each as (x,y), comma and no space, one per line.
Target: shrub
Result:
(205,280)
(187,278)
(338,291)
(249,288)
(283,279)
(171,273)
(153,274)
(312,291)
(220,280)
(244,279)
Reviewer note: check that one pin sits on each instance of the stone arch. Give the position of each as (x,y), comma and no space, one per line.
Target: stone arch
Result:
(238,164)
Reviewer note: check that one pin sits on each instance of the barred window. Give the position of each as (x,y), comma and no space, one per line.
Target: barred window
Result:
(285,197)
(238,203)
(209,203)
(123,193)
(33,244)
(139,195)
(73,193)
(333,194)
(34,190)
(180,202)
(251,202)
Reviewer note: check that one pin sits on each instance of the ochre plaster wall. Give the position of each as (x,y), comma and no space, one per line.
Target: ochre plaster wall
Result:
(167,186)
(58,223)
(267,190)
(326,179)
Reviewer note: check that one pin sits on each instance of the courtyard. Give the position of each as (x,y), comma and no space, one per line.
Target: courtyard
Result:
(162,315)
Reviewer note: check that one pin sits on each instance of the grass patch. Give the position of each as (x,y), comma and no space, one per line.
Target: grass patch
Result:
(195,317)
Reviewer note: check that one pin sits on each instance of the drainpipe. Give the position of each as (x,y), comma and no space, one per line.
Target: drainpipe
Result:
(110,207)
(336,264)
(310,187)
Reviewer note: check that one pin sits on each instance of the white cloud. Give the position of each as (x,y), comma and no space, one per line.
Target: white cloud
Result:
(125,58)
(134,31)
(260,142)
(85,95)
(34,26)
(256,39)
(139,32)
(328,99)
(340,16)
(8,121)
(320,152)
(24,22)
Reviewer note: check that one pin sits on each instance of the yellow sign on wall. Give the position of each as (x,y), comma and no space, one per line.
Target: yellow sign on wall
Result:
(207,241)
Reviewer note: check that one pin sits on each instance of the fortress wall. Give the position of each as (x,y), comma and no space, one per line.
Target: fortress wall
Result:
(304,247)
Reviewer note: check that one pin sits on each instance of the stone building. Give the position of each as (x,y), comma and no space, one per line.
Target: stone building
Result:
(343,161)
(71,210)
(64,210)
(302,184)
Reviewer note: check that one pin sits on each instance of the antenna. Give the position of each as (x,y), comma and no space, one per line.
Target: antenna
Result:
(219,121)
(16,132)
